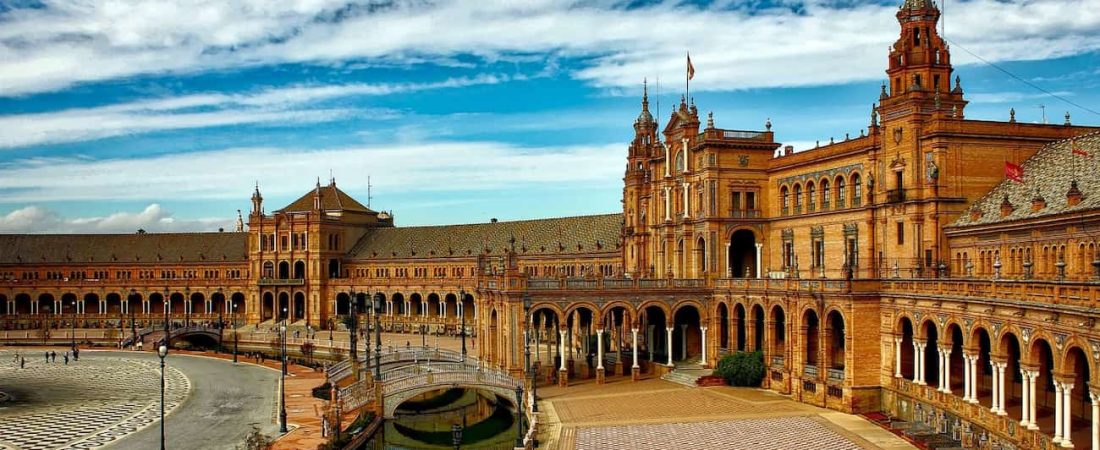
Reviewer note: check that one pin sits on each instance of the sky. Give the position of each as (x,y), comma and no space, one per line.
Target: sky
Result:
(164,114)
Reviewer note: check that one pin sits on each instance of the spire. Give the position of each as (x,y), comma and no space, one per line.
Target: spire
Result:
(644,117)
(240,222)
(257,201)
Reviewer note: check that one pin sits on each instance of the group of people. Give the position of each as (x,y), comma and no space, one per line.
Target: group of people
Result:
(50,355)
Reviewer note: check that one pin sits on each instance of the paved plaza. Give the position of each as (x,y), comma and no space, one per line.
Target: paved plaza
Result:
(654,413)
(83,404)
(112,400)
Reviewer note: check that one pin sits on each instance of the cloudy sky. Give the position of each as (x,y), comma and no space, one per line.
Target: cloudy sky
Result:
(117,115)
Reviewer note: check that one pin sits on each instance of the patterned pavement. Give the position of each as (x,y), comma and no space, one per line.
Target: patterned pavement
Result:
(82,405)
(756,434)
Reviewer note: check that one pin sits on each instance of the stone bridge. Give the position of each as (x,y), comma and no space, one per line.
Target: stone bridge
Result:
(150,336)
(411,371)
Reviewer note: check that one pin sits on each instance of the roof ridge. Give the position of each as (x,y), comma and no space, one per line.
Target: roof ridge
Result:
(499,222)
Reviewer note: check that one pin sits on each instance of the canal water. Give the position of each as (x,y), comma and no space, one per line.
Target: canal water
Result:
(425,422)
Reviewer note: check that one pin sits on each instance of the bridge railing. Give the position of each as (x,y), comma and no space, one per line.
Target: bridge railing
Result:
(355,395)
(476,376)
(424,367)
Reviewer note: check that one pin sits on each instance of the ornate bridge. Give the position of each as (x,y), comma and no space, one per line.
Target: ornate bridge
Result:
(412,371)
(151,335)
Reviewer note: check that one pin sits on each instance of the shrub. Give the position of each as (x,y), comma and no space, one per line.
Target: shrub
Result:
(741,368)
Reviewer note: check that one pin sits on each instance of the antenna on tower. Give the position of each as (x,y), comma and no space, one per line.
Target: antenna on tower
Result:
(658,97)
(1043,108)
(368,191)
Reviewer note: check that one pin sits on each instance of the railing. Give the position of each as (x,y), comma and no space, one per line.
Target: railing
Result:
(745,213)
(1047,293)
(741,134)
(777,361)
(835,375)
(355,395)
(281,282)
(465,376)
(809,371)
(613,283)
(895,195)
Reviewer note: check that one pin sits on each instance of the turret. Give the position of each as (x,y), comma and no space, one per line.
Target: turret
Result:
(257,202)
(920,66)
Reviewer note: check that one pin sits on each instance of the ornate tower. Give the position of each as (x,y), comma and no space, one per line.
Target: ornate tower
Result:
(636,192)
(257,202)
(920,67)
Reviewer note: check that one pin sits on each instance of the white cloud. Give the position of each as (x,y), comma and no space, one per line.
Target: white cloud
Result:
(65,43)
(1011,96)
(291,104)
(154,218)
(229,174)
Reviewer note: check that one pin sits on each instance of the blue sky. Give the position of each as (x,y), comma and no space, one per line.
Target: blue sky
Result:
(163,114)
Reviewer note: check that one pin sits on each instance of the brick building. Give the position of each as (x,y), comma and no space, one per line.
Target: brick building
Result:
(894,271)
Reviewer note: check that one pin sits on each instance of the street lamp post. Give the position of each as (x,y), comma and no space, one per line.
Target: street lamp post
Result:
(167,304)
(456,435)
(519,416)
(221,322)
(282,384)
(462,317)
(353,329)
(235,337)
(162,351)
(527,352)
(378,336)
(133,326)
(72,327)
(186,306)
(423,335)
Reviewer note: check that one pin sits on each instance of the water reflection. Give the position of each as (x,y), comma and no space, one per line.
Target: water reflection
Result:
(425,422)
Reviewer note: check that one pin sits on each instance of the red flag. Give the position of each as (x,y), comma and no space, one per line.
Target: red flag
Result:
(691,68)
(1014,172)
(1077,150)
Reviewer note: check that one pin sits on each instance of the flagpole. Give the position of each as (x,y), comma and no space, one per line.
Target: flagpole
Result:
(687,79)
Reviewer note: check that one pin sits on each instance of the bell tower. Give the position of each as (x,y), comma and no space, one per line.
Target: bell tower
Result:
(636,190)
(920,69)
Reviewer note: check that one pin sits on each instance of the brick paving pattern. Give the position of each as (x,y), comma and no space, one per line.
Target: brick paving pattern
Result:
(85,404)
(756,434)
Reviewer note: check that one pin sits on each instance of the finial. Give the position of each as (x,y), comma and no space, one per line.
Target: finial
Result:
(1012,115)
(768,124)
(817,144)
(861,132)
(936,99)
(710,119)
(958,84)
(874,116)
(882,93)
(846,136)
(318,182)
(830,140)
(1067,118)
(954,110)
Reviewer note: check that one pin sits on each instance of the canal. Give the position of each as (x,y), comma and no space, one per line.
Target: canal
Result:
(486,421)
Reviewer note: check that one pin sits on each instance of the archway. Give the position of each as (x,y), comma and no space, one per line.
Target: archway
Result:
(90,303)
(1013,388)
(931,354)
(237,304)
(218,304)
(68,303)
(343,304)
(198,303)
(741,325)
(758,329)
(907,369)
(433,305)
(835,340)
(450,306)
(545,322)
(810,330)
(957,372)
(46,304)
(778,335)
(299,306)
(617,323)
(723,328)
(1043,358)
(655,322)
(114,303)
(1076,365)
(398,302)
(416,305)
(22,304)
(700,258)
(176,304)
(5,305)
(157,304)
(742,254)
(268,311)
(983,380)
(284,306)
(134,303)
(284,270)
(299,270)
(494,337)
(687,342)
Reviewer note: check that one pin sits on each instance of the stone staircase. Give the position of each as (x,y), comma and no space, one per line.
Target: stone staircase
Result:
(919,434)
(686,372)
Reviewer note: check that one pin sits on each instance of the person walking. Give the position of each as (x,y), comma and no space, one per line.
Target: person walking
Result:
(76,354)
(53,355)
(22,362)
(47,357)
(66,358)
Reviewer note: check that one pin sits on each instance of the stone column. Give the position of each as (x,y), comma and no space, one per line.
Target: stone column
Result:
(945,361)
(1057,413)
(1033,376)
(635,370)
(993,394)
(1025,394)
(703,332)
(966,377)
(562,334)
(1067,415)
(1095,420)
(1001,389)
(563,372)
(683,341)
(918,363)
(669,330)
(599,356)
(759,246)
(974,379)
(897,357)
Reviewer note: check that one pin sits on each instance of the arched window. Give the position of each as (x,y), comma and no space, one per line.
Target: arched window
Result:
(825,195)
(680,161)
(269,269)
(797,198)
(841,193)
(857,190)
(785,199)
(811,196)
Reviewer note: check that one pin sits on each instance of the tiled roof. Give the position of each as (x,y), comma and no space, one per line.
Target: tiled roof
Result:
(122,248)
(332,199)
(1049,172)
(581,234)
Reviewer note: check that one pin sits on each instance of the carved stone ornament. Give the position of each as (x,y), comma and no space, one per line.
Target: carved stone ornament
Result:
(743,160)
(1060,341)
(1095,348)
(1026,334)
(897,135)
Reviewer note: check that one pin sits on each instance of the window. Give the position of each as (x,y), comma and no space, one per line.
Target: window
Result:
(857,190)
(786,200)
(811,195)
(841,192)
(750,200)
(825,195)
(819,253)
(788,254)
(797,198)
(736,201)
(936,79)
(680,161)
(901,233)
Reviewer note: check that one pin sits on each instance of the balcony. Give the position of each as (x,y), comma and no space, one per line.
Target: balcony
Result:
(895,195)
(809,371)
(281,282)
(835,375)
(777,361)
(745,213)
